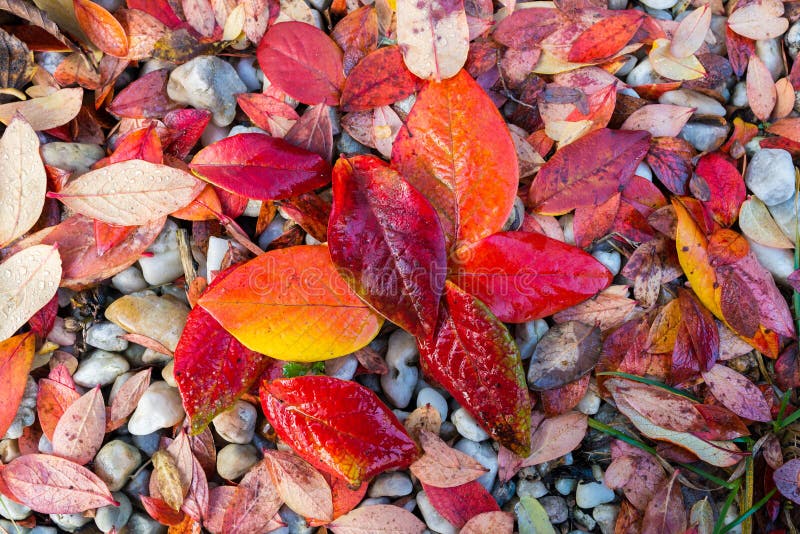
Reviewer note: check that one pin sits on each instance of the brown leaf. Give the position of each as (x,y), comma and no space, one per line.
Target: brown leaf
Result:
(737,393)
(666,512)
(126,398)
(80,431)
(425,418)
(168,480)
(443,466)
(564,354)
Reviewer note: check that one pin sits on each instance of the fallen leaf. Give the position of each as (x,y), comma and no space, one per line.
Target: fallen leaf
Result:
(45,112)
(495,522)
(761,92)
(533,518)
(380,79)
(459,504)
(606,37)
(758,21)
(127,398)
(786,480)
(301,487)
(660,120)
(691,33)
(433,36)
(673,67)
(666,511)
(378,519)
(564,354)
(442,466)
(16,356)
(103,30)
(81,429)
(737,393)
(254,503)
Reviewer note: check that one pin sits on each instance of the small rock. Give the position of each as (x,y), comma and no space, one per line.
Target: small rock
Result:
(69,522)
(296,523)
(606,517)
(778,261)
(643,74)
(59,334)
(770,175)
(207,82)
(164,265)
(485,455)
(527,335)
(45,445)
(100,369)
(503,492)
(139,483)
(217,248)
(584,519)
(531,488)
(769,51)
(467,426)
(692,99)
(12,510)
(784,215)
(435,399)
(249,74)
(627,67)
(115,462)
(129,281)
(643,170)
(433,519)
(147,443)
(611,259)
(214,133)
(238,424)
(76,158)
(168,374)
(390,485)
(556,508)
(591,494)
(142,524)
(704,137)
(792,39)
(159,407)
(401,357)
(272,232)
(565,486)
(568,227)
(160,318)
(9,449)
(590,403)
(114,517)
(372,501)
(739,95)
(235,460)
(40,529)
(106,336)
(343,368)
(26,413)
(515,218)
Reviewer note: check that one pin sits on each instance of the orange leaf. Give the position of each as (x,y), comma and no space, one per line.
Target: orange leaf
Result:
(101,27)
(16,355)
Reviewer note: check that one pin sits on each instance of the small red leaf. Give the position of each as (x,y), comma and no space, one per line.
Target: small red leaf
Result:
(461,503)
(379,79)
(80,431)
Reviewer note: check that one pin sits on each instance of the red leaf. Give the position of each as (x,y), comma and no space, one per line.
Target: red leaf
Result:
(473,356)
(606,37)
(255,502)
(701,329)
(314,131)
(262,108)
(671,161)
(352,434)
(16,355)
(461,503)
(53,485)
(588,171)
(378,519)
(186,126)
(303,62)
(739,50)
(144,98)
(52,399)
(737,393)
(161,511)
(126,399)
(80,431)
(396,259)
(301,487)
(380,79)
(42,321)
(524,276)
(101,27)
(786,479)
(725,185)
(666,512)
(212,368)
(258,166)
(159,9)
(143,143)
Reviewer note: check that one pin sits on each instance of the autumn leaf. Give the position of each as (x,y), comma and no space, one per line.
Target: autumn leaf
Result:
(254,502)
(378,519)
(301,487)
(737,393)
(80,430)
(761,92)
(380,79)
(606,37)
(461,503)
(127,398)
(443,466)
(564,354)
(291,304)
(353,435)
(16,356)
(760,20)
(473,356)
(433,36)
(666,511)
(101,27)
(496,522)
(691,32)
(452,138)
(397,261)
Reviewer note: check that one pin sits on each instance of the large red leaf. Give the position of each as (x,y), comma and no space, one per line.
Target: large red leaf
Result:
(456,149)
(386,241)
(259,166)
(16,355)
(475,358)
(588,171)
(605,37)
(726,188)
(52,485)
(378,80)
(337,426)
(461,503)
(523,276)
(302,62)
(212,368)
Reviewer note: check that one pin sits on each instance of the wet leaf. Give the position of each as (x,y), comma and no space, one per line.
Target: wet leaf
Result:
(660,120)
(758,20)
(433,36)
(301,487)
(80,430)
(564,354)
(737,393)
(102,29)
(555,437)
(606,37)
(52,485)
(443,466)
(397,261)
(453,138)
(378,519)
(45,112)
(291,304)
(673,67)
(786,479)
(16,356)
(254,502)
(353,435)
(666,512)
(459,504)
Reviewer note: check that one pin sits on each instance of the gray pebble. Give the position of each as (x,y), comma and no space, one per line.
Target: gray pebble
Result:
(143,524)
(394,484)
(433,519)
(556,508)
(401,357)
(207,82)
(770,175)
(435,399)
(115,462)
(69,522)
(235,460)
(129,281)
(13,510)
(238,424)
(467,426)
(109,517)
(26,413)
(106,336)
(100,369)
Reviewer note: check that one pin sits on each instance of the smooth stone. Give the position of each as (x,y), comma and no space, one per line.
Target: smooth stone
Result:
(395,484)
(100,369)
(142,524)
(240,129)
(147,443)
(106,336)
(739,95)
(659,14)
(704,137)
(207,82)
(118,382)
(168,374)
(347,145)
(565,486)
(785,216)
(591,494)
(705,105)
(531,488)
(164,265)
(238,424)
(129,281)
(41,530)
(584,519)
(617,4)
(433,519)
(590,403)
(516,217)
(26,413)
(343,368)
(296,523)
(235,460)
(59,335)
(160,318)
(769,51)
(611,259)
(213,133)
(556,508)
(485,455)
(253,208)
(45,445)
(503,492)
(115,462)
(139,483)
(76,158)
(249,74)
(770,175)
(467,426)
(627,67)
(217,248)
(528,334)
(50,61)
(13,511)
(372,501)
(643,170)
(792,39)
(778,261)
(114,517)
(435,399)
(660,4)
(69,522)
(155,64)
(606,517)
(401,357)
(643,74)
(272,232)
(9,449)
(159,407)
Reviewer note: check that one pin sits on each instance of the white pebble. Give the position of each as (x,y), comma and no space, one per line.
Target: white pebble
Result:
(467,426)
(238,424)
(606,517)
(770,175)
(395,484)
(527,335)
(217,248)
(343,368)
(433,519)
(435,399)
(159,407)
(106,336)
(591,494)
(129,281)
(100,369)
(590,403)
(235,460)
(115,462)
(778,261)
(611,259)
(401,357)
(485,455)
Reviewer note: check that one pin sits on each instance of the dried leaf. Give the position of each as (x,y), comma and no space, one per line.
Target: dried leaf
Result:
(691,32)
(737,393)
(443,466)
(102,29)
(45,112)
(301,487)
(80,431)
(564,354)
(253,504)
(761,93)
(378,519)
(433,36)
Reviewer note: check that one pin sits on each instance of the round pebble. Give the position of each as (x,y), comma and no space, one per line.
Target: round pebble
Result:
(390,485)
(115,462)
(435,399)
(100,369)
(467,426)
(114,517)
(433,519)
(106,336)
(238,424)
(235,460)
(159,407)
(770,175)
(591,494)
(401,357)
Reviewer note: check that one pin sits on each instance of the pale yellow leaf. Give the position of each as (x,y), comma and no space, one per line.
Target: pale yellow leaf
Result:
(661,120)
(434,40)
(23,182)
(46,112)
(234,24)
(758,21)
(691,32)
(28,280)
(757,223)
(674,68)
(130,193)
